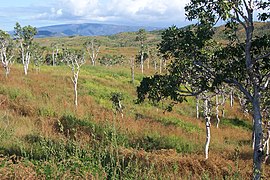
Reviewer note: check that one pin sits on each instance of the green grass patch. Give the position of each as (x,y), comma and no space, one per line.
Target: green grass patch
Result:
(236,123)
(187,126)
(13,93)
(156,142)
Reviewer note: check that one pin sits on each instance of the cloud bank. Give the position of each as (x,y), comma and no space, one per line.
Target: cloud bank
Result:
(159,13)
(138,12)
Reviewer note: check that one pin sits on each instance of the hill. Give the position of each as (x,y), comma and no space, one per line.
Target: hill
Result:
(44,137)
(87,29)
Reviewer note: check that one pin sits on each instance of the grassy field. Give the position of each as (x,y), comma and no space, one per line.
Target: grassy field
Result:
(44,137)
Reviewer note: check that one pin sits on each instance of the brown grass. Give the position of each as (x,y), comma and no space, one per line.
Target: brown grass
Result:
(51,90)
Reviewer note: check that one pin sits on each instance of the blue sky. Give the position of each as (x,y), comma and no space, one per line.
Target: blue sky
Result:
(159,13)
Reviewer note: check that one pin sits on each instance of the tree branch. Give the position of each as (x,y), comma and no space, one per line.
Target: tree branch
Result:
(261,57)
(241,87)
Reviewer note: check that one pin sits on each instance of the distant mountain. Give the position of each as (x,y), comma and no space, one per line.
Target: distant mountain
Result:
(88,29)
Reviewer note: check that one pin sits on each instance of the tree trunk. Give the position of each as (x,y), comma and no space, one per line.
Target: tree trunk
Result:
(267,151)
(121,109)
(208,136)
(258,152)
(266,144)
(25,69)
(217,111)
(142,61)
(75,82)
(223,105)
(155,64)
(231,98)
(207,126)
(7,68)
(197,108)
(53,58)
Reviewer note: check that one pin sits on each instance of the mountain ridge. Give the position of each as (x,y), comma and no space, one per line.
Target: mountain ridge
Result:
(87,29)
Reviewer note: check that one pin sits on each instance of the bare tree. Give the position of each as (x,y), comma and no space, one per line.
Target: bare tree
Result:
(5,51)
(92,48)
(74,60)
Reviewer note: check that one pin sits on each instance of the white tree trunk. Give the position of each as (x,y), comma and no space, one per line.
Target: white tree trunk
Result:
(75,83)
(217,111)
(155,64)
(197,108)
(6,63)
(142,61)
(121,109)
(207,126)
(53,58)
(223,104)
(25,58)
(208,136)
(231,98)
(25,68)
(267,151)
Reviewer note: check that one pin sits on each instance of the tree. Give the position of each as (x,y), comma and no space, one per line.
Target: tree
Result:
(74,59)
(141,37)
(38,58)
(202,64)
(116,99)
(92,47)
(6,53)
(25,36)
(55,51)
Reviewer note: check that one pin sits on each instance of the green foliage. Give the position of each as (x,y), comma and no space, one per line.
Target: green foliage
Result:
(111,60)
(237,123)
(116,99)
(46,111)
(158,88)
(187,126)
(26,34)
(14,93)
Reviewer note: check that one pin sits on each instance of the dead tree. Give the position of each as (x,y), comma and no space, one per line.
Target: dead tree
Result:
(74,60)
(92,48)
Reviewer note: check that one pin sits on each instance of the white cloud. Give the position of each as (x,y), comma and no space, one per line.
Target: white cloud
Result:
(137,12)
(53,14)
(80,7)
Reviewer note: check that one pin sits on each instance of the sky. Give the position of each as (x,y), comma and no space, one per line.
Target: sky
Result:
(38,13)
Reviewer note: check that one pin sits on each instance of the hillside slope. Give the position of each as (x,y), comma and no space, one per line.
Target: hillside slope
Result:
(44,137)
